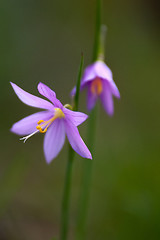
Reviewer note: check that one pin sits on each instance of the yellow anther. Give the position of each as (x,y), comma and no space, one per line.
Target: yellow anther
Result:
(39,128)
(40,121)
(96,86)
(43,131)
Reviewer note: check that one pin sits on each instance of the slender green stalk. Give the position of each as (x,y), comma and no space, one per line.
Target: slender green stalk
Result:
(102,38)
(66,196)
(86,181)
(76,98)
(68,177)
(97,41)
(98,54)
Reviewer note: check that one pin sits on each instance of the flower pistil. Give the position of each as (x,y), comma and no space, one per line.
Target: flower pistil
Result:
(96,86)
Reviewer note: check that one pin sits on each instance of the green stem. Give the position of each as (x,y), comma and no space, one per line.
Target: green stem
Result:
(76,98)
(86,182)
(68,178)
(97,41)
(100,35)
(98,54)
(66,196)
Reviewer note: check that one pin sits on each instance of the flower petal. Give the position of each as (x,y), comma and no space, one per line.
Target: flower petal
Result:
(114,89)
(75,140)
(103,71)
(54,139)
(30,99)
(48,93)
(97,69)
(73,91)
(76,117)
(28,124)
(91,99)
(89,73)
(107,99)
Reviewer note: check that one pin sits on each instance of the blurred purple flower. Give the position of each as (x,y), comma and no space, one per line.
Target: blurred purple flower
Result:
(56,121)
(98,80)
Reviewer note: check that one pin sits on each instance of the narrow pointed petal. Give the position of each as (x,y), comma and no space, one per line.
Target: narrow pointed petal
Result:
(76,117)
(76,141)
(28,124)
(30,99)
(45,91)
(54,139)
(48,93)
(91,99)
(114,89)
(107,99)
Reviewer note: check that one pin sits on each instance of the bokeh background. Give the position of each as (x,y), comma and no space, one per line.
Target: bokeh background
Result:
(43,41)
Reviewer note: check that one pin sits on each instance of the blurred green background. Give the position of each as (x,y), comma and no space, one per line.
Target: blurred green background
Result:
(43,41)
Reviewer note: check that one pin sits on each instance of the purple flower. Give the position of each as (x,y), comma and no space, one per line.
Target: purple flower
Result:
(98,80)
(56,121)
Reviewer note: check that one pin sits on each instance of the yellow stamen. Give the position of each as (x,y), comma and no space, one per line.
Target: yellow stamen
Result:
(96,86)
(43,131)
(40,122)
(46,124)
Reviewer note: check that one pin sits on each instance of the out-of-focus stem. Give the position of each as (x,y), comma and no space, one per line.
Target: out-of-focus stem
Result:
(98,54)
(97,32)
(102,39)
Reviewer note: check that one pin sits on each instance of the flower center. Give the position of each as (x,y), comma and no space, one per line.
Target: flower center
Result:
(44,125)
(96,86)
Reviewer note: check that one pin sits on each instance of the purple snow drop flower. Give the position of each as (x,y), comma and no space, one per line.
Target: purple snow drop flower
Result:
(98,80)
(56,122)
